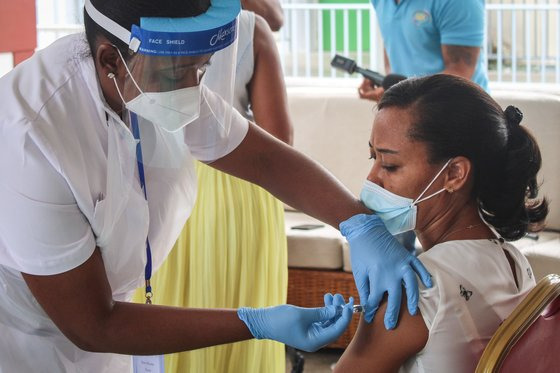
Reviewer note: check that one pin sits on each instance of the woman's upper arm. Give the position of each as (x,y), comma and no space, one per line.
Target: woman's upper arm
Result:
(375,349)
(267,90)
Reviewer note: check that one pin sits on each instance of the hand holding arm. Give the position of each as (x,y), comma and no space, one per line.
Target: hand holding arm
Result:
(380,264)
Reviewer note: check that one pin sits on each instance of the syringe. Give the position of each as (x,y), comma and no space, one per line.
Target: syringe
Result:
(355,309)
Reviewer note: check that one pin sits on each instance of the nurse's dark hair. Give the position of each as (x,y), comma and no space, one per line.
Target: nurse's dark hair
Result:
(128,12)
(455,117)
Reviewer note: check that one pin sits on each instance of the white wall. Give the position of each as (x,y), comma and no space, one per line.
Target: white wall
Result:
(6,63)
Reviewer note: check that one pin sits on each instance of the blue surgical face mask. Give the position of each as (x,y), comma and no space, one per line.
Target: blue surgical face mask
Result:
(397,212)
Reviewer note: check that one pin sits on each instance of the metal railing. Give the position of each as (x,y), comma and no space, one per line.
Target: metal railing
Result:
(522,42)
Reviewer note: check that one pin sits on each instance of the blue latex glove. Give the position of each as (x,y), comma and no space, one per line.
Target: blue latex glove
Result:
(380,264)
(302,328)
(336,300)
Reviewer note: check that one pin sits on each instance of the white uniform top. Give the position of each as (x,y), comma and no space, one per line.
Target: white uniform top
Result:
(68,184)
(474,291)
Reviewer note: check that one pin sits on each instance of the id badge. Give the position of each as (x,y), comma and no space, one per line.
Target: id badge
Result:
(148,364)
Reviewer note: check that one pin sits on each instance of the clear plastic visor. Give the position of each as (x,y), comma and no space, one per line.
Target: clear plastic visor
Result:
(166,95)
(152,74)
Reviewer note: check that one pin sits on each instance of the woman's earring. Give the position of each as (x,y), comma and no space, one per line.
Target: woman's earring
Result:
(450,190)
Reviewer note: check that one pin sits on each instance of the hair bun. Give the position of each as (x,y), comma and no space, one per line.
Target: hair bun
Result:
(513,115)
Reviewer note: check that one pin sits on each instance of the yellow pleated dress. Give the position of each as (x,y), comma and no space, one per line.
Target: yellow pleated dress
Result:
(231,253)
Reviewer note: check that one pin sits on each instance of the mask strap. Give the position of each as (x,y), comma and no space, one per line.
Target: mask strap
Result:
(488,225)
(112,76)
(420,199)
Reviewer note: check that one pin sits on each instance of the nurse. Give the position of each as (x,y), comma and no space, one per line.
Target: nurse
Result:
(96,149)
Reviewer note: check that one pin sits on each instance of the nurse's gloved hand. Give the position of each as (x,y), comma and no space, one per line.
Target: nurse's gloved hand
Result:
(336,300)
(306,329)
(381,264)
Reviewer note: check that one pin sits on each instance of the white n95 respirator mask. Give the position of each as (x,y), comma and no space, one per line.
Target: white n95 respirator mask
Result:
(397,212)
(170,110)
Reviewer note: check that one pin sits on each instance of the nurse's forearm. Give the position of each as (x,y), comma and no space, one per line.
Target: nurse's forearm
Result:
(139,329)
(80,303)
(292,177)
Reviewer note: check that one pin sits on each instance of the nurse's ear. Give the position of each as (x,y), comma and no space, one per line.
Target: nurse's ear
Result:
(107,60)
(109,66)
(458,176)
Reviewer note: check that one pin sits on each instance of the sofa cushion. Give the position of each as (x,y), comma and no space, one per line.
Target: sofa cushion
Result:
(319,247)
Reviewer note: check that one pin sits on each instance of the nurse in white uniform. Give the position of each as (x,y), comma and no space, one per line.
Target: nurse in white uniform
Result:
(96,148)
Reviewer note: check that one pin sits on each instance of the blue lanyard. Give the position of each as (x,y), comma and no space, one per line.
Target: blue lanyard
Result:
(148,269)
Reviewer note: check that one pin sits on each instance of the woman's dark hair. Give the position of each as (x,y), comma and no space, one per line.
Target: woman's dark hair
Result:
(455,117)
(128,12)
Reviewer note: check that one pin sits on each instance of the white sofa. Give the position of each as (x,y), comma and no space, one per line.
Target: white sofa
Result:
(332,126)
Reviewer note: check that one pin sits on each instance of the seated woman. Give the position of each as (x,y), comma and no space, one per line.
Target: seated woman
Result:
(450,164)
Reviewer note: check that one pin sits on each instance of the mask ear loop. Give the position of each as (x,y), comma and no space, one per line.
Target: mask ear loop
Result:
(420,199)
(492,229)
(112,76)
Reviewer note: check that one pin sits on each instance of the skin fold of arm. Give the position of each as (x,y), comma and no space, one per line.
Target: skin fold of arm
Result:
(80,303)
(460,60)
(376,349)
(267,89)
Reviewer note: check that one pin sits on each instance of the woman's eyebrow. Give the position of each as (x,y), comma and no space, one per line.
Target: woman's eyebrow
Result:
(386,151)
(382,150)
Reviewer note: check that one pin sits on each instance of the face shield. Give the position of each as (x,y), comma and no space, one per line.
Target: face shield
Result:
(167,61)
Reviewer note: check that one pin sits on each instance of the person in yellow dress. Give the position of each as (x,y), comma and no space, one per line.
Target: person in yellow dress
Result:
(232,251)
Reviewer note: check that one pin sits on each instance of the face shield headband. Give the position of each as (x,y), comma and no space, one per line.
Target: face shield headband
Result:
(163,36)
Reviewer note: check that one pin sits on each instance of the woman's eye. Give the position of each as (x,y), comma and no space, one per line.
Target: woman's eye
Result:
(389,168)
